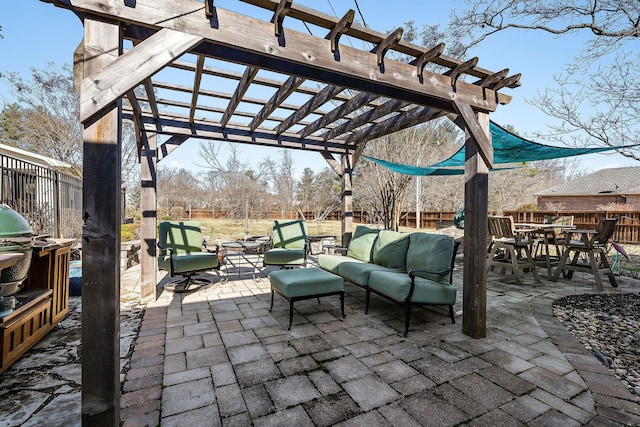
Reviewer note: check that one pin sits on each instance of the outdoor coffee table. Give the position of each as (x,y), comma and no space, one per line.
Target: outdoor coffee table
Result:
(305,283)
(242,248)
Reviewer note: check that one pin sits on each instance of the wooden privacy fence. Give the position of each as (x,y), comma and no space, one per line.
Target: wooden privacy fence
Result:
(627,229)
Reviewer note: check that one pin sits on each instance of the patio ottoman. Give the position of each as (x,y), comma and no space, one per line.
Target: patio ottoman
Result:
(305,283)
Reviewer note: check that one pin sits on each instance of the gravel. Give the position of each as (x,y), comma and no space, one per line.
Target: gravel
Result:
(607,326)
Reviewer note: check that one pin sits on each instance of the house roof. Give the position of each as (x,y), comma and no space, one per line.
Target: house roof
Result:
(600,183)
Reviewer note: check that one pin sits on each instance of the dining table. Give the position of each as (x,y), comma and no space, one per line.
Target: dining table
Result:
(544,237)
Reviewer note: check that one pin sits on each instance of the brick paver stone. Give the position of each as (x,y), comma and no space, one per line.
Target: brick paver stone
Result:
(187,396)
(332,409)
(370,392)
(290,391)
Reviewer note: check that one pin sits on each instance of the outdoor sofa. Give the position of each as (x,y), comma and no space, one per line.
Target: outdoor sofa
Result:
(406,268)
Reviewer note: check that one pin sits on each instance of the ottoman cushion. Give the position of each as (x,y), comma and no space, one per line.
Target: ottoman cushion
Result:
(305,281)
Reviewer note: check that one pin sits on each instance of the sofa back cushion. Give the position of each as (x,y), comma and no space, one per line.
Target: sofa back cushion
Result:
(431,253)
(390,250)
(361,245)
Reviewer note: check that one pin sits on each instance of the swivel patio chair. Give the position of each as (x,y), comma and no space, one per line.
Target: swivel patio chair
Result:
(592,244)
(290,244)
(181,253)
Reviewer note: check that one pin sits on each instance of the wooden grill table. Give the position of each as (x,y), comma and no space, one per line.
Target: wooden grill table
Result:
(544,236)
(42,304)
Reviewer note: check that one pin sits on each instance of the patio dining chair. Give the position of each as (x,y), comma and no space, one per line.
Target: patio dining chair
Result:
(181,253)
(509,248)
(592,245)
(290,241)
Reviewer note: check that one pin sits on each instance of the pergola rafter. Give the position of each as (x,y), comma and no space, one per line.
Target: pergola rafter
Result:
(187,69)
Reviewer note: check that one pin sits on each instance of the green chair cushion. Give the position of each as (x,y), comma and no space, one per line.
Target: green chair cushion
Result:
(281,256)
(431,253)
(305,281)
(183,236)
(361,244)
(185,263)
(358,272)
(397,285)
(289,234)
(333,262)
(390,249)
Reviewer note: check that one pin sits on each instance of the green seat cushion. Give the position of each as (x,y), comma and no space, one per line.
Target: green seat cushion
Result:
(185,263)
(305,282)
(281,256)
(397,285)
(390,249)
(333,262)
(358,272)
(432,253)
(361,244)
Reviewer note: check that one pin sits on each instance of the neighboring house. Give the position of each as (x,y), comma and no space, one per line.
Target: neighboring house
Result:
(618,185)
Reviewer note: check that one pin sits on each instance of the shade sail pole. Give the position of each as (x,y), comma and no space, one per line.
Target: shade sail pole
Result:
(102,205)
(476,204)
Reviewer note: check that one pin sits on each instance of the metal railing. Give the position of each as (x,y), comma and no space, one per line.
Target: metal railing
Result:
(50,200)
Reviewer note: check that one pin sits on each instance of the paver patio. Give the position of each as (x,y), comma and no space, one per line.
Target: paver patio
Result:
(229,361)
(218,357)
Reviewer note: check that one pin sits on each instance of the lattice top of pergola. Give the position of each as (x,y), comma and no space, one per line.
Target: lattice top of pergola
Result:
(193,69)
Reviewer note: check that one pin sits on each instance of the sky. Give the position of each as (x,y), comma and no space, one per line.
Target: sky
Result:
(37,33)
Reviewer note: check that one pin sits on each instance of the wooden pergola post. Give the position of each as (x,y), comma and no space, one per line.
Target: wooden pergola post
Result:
(476,204)
(148,207)
(347,199)
(101,238)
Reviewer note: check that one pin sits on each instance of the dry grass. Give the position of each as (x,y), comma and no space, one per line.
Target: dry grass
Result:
(225,230)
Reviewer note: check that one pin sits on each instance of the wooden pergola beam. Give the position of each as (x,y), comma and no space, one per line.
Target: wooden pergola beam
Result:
(327,93)
(276,100)
(170,145)
(304,55)
(238,95)
(105,86)
(367,117)
(202,130)
(196,88)
(339,112)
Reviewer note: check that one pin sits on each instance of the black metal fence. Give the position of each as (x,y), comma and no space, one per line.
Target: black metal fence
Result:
(50,200)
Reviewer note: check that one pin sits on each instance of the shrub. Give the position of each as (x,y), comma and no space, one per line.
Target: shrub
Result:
(128,232)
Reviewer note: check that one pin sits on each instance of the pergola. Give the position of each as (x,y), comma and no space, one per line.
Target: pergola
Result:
(156,63)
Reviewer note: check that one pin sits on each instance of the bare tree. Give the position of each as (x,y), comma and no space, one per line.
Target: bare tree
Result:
(596,97)
(44,118)
(281,179)
(384,190)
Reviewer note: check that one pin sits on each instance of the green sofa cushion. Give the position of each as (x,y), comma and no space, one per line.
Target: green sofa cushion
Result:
(358,272)
(281,256)
(390,249)
(431,253)
(361,245)
(332,262)
(397,285)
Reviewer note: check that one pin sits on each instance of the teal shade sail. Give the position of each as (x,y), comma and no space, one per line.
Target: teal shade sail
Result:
(418,170)
(510,148)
